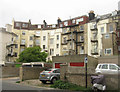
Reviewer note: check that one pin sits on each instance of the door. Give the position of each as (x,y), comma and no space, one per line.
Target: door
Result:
(113,69)
(104,69)
(57,65)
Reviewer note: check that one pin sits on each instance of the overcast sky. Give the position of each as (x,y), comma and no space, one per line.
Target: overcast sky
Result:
(50,10)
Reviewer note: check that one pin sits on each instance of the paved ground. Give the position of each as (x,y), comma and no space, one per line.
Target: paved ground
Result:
(10,85)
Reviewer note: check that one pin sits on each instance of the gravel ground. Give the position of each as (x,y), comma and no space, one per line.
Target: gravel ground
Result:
(35,82)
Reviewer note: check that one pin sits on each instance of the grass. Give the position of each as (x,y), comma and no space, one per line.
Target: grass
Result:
(17,81)
(18,65)
(69,86)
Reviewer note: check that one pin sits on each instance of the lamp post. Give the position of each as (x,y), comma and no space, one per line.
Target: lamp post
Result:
(86,61)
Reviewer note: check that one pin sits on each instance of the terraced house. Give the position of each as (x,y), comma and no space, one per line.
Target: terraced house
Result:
(95,36)
(74,35)
(48,37)
(7,45)
(102,35)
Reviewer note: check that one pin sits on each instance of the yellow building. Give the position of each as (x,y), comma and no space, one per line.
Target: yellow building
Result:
(48,37)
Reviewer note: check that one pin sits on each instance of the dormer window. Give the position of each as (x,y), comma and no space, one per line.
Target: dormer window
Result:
(66,23)
(24,25)
(73,21)
(17,24)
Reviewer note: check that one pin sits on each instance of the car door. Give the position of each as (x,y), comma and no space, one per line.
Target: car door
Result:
(56,73)
(113,69)
(104,69)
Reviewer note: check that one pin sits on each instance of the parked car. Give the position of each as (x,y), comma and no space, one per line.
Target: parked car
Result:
(50,75)
(107,68)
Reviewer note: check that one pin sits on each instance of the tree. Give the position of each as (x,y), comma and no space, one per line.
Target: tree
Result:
(32,54)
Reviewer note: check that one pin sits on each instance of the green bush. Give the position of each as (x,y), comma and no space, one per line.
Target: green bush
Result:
(65,85)
(18,65)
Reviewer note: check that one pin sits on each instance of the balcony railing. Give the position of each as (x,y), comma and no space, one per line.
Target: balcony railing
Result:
(22,44)
(93,27)
(10,43)
(37,35)
(94,39)
(94,51)
(10,54)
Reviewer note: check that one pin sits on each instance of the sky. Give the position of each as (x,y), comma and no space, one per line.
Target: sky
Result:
(50,10)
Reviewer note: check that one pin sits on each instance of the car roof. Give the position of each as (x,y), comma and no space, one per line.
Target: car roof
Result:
(107,63)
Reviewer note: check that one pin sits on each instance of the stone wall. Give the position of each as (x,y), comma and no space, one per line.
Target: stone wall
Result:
(92,62)
(108,59)
(10,71)
(27,73)
(76,75)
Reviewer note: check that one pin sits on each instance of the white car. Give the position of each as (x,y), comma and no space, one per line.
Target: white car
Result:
(107,68)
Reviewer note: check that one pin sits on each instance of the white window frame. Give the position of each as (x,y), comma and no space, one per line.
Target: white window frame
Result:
(66,23)
(52,41)
(106,53)
(44,38)
(110,28)
(23,32)
(37,41)
(57,37)
(102,30)
(73,21)
(23,41)
(107,36)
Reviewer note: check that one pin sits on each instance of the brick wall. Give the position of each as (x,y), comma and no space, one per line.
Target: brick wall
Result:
(10,71)
(27,73)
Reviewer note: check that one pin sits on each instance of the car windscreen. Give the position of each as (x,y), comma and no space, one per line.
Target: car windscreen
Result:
(46,71)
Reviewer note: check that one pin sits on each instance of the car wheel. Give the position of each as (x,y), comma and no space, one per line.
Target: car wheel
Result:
(43,82)
(99,73)
(53,80)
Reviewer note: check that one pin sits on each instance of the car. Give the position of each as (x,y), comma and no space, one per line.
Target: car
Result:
(50,75)
(107,68)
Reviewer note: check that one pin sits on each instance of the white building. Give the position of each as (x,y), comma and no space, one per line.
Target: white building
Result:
(6,45)
(51,42)
(96,29)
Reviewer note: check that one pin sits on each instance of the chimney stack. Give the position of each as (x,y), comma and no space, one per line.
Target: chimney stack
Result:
(91,15)
(58,21)
(44,24)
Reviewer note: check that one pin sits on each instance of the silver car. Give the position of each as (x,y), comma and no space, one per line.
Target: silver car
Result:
(107,68)
(50,75)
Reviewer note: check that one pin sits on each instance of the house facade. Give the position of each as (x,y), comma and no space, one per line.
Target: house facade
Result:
(48,37)
(74,36)
(7,39)
(102,36)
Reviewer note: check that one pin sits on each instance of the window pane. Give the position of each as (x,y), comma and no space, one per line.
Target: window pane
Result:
(102,29)
(111,28)
(113,67)
(104,66)
(44,38)
(23,33)
(81,27)
(57,37)
(37,42)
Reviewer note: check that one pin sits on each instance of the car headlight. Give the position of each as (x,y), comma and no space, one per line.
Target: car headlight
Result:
(48,77)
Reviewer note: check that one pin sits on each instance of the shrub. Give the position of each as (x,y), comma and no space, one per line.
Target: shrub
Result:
(66,85)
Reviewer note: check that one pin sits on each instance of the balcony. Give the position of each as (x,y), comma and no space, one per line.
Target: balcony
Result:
(65,33)
(94,51)
(64,43)
(81,31)
(93,27)
(10,54)
(22,44)
(94,39)
(10,44)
